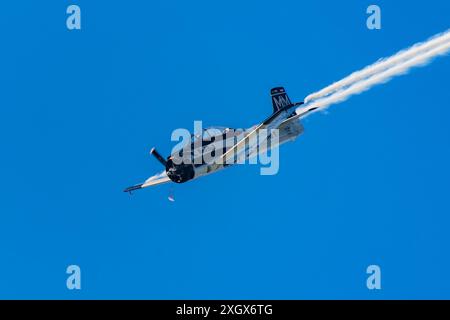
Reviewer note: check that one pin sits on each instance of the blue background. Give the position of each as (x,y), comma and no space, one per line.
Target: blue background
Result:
(368,182)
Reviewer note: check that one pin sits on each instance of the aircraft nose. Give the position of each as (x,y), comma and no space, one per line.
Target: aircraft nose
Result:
(179,173)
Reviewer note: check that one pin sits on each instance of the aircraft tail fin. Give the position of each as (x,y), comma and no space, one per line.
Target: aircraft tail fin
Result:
(280,98)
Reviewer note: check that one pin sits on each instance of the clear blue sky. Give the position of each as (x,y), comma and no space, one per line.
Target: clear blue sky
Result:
(368,182)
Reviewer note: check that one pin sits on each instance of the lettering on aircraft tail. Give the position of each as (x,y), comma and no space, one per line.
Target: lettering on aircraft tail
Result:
(281,101)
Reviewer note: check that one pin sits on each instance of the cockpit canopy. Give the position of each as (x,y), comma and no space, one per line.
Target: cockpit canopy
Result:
(208,136)
(211,133)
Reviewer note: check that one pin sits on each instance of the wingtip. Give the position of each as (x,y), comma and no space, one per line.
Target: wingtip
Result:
(132,188)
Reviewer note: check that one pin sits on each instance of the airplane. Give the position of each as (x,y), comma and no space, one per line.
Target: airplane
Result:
(285,118)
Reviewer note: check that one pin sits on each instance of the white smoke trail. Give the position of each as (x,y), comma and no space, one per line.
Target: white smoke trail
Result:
(383,64)
(379,72)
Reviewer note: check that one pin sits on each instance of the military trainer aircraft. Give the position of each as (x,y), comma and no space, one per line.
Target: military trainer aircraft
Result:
(285,118)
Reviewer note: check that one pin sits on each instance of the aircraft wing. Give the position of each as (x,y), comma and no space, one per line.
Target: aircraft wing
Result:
(273,120)
(159,178)
(233,152)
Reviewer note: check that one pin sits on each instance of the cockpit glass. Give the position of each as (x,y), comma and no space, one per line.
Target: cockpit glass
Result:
(209,133)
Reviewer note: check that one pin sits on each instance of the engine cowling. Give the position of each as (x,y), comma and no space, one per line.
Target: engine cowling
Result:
(179,173)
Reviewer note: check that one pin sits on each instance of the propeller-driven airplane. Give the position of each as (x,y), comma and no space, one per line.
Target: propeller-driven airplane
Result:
(285,118)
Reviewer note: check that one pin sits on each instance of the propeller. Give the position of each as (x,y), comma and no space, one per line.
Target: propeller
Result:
(158,156)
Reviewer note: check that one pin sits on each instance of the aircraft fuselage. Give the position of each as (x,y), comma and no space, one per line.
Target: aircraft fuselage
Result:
(287,131)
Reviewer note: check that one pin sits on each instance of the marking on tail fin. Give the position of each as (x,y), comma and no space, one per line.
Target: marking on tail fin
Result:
(281,101)
(280,98)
